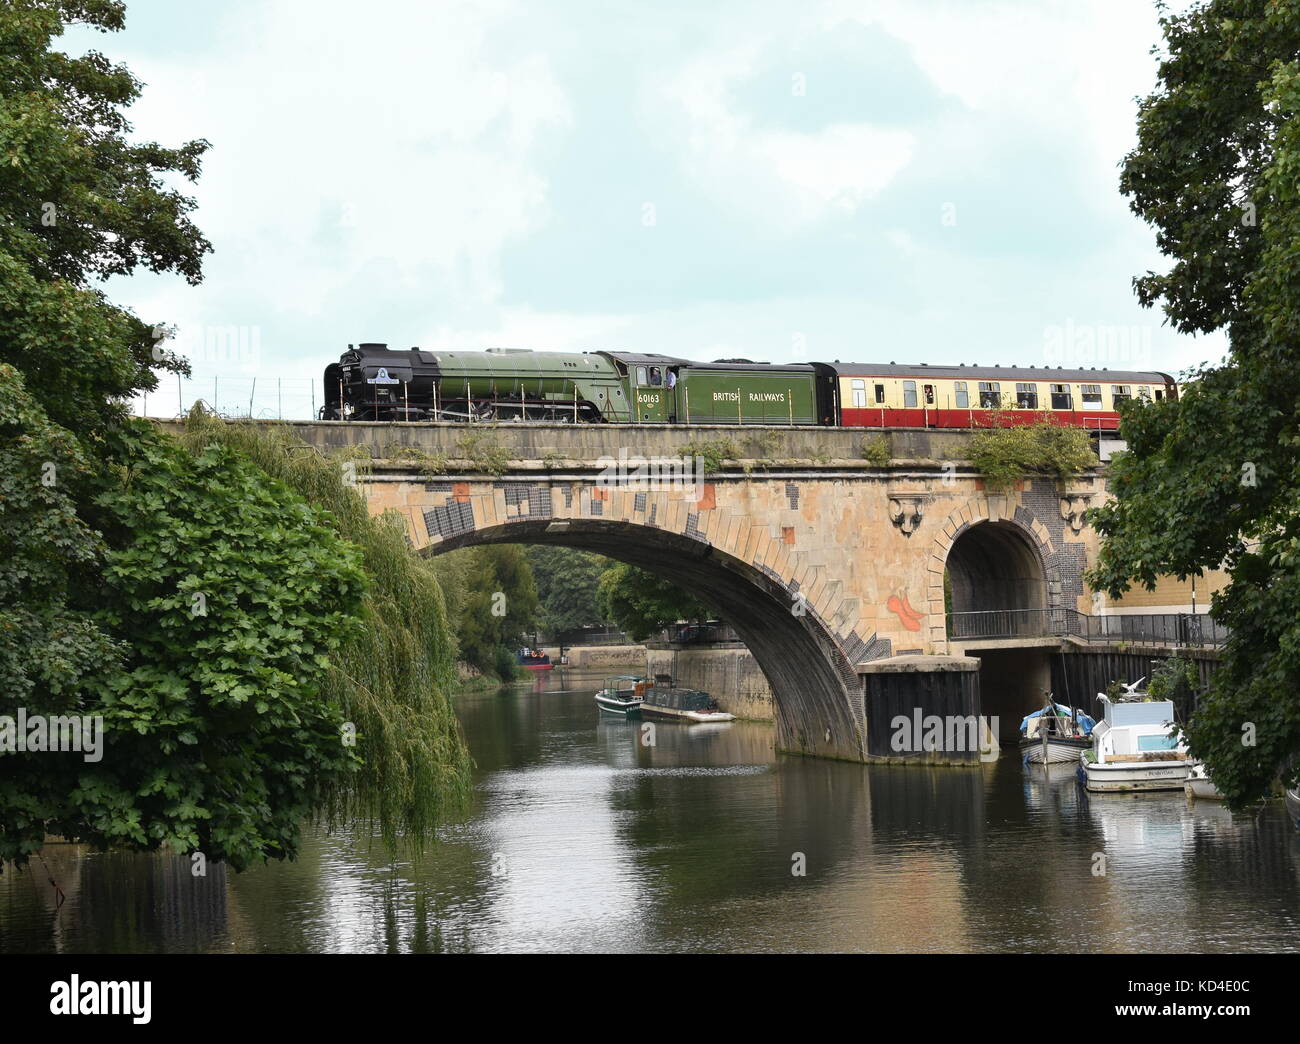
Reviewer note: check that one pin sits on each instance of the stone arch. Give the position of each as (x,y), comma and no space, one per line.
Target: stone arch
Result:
(991,566)
(816,694)
(994,531)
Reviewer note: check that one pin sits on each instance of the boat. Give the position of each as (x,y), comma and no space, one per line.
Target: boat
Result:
(622,695)
(534,660)
(1199,785)
(1056,734)
(676,704)
(1292,799)
(1134,747)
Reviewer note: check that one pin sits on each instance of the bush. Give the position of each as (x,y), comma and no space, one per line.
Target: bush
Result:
(1007,453)
(875,450)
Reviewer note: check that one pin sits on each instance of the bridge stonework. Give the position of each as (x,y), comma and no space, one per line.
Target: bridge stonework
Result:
(824,568)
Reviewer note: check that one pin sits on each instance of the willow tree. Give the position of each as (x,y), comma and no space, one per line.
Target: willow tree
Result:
(1214,479)
(394,670)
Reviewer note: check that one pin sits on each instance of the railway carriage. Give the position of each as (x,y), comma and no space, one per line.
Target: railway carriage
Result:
(886,396)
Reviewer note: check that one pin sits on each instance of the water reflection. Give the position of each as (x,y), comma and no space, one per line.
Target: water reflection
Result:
(583,836)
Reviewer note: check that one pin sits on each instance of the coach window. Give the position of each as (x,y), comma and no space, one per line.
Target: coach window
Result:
(1121,392)
(1144,393)
(859,394)
(929,394)
(909,394)
(1061,397)
(1091,396)
(960,394)
(990,395)
(1159,394)
(1027,396)
(880,394)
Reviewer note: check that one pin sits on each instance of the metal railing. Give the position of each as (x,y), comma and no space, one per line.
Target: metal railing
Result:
(261,398)
(1162,629)
(591,636)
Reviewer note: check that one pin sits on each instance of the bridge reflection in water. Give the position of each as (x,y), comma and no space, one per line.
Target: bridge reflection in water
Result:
(583,838)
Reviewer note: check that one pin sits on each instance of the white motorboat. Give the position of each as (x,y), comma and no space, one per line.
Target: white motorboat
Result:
(1292,799)
(1134,747)
(1199,785)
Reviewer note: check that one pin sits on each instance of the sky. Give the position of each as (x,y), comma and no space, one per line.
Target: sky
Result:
(881,180)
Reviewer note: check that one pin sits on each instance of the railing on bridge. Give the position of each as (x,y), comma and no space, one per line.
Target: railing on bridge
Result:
(591,636)
(1136,629)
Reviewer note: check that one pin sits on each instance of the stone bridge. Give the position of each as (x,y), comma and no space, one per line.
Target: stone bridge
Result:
(826,549)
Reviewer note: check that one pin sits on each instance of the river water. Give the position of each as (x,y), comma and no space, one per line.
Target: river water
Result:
(582,837)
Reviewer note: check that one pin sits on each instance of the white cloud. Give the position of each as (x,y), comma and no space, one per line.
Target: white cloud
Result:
(526,328)
(403,138)
(783,177)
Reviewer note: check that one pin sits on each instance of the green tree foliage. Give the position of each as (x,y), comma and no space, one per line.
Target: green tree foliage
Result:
(49,646)
(1214,478)
(643,604)
(233,595)
(79,202)
(394,670)
(1175,678)
(568,586)
(496,604)
(1009,452)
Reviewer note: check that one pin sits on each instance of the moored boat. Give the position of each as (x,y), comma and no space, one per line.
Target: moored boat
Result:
(1056,734)
(1134,748)
(1292,799)
(675,704)
(1199,785)
(534,660)
(623,695)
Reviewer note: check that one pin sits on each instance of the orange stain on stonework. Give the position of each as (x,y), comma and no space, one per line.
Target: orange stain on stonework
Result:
(907,616)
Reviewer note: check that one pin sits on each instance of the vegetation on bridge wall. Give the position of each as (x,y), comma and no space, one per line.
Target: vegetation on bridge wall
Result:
(1005,454)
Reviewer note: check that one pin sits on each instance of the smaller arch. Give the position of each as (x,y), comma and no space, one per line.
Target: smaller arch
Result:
(995,565)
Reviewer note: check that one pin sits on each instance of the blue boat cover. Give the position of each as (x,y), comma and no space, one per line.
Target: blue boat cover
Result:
(1085,722)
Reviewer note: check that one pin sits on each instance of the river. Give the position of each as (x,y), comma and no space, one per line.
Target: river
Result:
(584,837)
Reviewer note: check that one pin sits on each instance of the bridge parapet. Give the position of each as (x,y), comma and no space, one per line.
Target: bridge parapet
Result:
(536,443)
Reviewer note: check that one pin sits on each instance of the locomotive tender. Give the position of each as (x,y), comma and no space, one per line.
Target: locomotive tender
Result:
(372,382)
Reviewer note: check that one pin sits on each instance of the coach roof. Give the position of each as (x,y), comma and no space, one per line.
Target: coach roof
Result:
(1049,374)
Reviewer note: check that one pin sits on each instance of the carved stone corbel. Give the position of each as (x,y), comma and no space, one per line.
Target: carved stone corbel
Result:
(905,511)
(1073,505)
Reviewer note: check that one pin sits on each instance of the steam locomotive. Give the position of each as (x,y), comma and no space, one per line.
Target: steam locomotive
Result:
(371,382)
